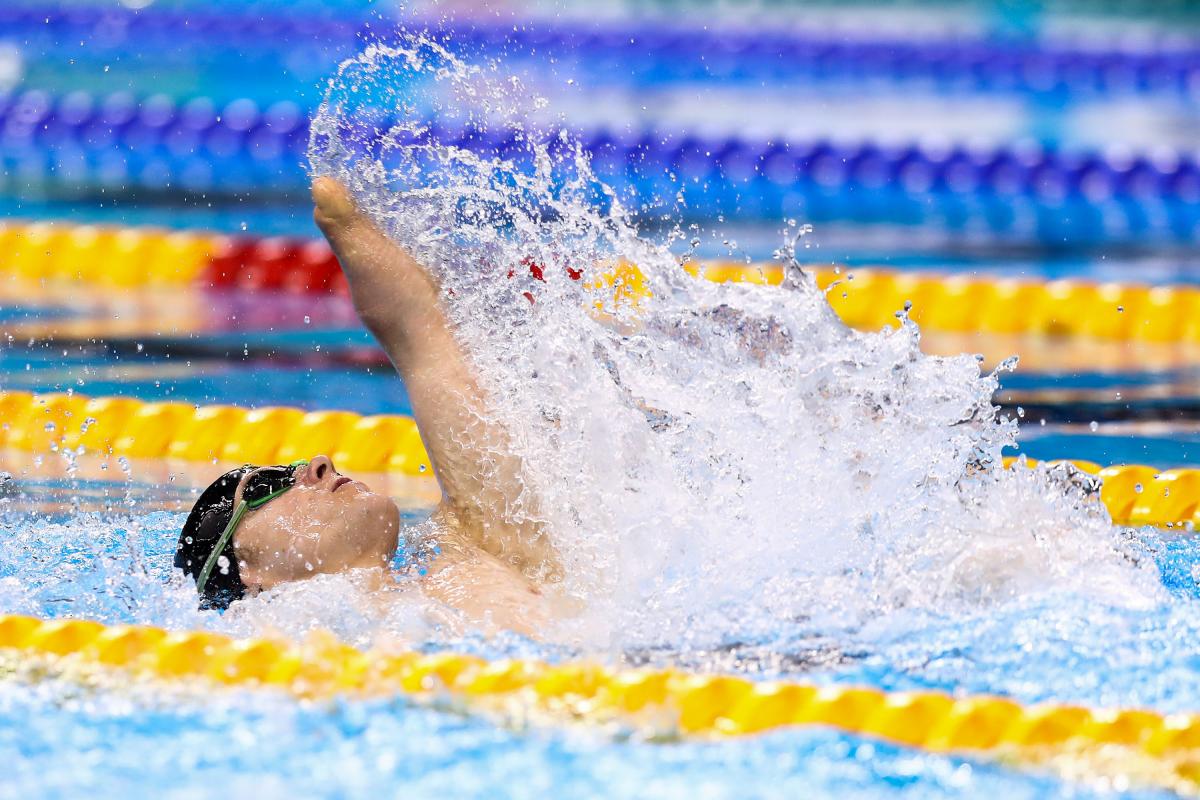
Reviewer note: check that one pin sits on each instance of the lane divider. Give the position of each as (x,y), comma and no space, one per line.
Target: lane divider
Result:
(124,426)
(655,702)
(868,298)
(121,143)
(104,256)
(865,298)
(1134,494)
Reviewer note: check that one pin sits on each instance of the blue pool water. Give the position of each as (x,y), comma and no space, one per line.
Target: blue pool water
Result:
(1031,160)
(276,748)
(128,739)
(101,550)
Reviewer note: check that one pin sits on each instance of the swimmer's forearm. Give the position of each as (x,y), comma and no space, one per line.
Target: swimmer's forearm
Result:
(394,296)
(398,302)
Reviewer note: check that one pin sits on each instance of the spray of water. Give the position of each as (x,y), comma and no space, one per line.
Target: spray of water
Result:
(715,462)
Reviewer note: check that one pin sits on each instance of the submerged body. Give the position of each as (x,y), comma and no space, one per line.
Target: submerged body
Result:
(477,557)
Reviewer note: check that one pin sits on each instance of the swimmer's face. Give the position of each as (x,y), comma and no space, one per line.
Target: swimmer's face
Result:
(326,523)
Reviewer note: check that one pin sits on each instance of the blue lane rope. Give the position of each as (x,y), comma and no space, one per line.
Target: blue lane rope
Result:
(80,143)
(654,54)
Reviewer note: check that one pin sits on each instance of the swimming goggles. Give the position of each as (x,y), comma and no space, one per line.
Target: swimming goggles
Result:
(261,488)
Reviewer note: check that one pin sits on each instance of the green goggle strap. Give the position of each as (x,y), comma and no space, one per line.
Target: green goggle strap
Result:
(219,547)
(227,534)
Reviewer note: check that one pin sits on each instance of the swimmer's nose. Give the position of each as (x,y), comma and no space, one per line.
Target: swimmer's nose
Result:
(320,471)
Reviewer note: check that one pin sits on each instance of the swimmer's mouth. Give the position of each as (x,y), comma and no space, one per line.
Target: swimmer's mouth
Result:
(341,481)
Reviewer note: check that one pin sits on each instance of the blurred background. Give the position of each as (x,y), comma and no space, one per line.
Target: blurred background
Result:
(1048,141)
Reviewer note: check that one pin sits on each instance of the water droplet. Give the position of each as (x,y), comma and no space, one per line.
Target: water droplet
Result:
(1093,426)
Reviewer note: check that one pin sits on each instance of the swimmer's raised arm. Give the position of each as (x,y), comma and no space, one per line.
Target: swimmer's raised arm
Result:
(400,303)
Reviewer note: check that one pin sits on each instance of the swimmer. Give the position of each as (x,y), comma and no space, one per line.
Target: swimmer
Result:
(257,527)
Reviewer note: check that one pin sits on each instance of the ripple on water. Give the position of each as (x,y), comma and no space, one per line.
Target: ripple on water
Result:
(60,742)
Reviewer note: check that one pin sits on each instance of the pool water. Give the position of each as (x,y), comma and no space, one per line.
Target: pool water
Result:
(93,538)
(100,550)
(81,545)
(276,748)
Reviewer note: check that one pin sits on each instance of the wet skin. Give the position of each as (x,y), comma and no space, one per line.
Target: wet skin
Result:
(489,567)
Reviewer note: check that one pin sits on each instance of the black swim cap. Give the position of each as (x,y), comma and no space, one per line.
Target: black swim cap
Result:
(205,524)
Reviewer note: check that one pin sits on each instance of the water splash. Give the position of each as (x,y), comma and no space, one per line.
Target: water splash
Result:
(713,460)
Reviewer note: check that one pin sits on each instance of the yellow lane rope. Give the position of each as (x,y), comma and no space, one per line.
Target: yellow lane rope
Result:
(957,303)
(864,297)
(1134,494)
(657,702)
(104,255)
(124,426)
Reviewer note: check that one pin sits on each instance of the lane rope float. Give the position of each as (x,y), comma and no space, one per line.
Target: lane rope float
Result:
(1134,494)
(865,298)
(70,142)
(125,426)
(1156,747)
